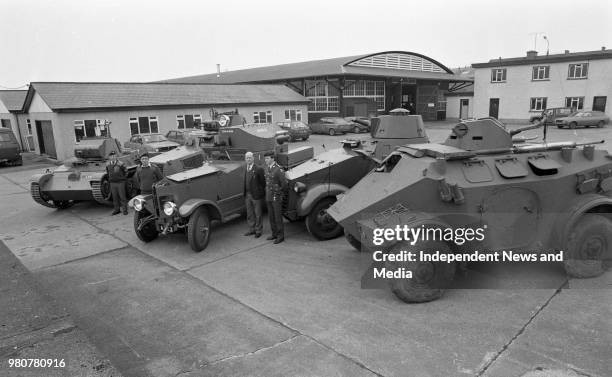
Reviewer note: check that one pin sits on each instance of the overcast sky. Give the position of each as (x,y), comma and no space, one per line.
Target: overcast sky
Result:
(132,41)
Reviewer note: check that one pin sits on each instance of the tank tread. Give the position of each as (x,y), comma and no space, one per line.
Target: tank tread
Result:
(36,195)
(96,187)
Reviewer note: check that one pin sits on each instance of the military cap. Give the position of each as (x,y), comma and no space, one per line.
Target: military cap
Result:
(269,153)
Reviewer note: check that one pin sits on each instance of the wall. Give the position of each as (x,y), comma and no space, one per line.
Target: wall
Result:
(452,106)
(515,93)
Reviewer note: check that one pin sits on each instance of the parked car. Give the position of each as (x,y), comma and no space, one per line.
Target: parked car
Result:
(583,119)
(9,148)
(150,143)
(331,126)
(297,129)
(181,136)
(360,124)
(552,114)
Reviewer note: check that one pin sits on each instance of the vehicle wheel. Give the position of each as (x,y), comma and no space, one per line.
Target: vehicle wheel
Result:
(559,126)
(353,241)
(600,124)
(356,130)
(572,125)
(306,138)
(332,132)
(320,224)
(589,246)
(429,279)
(148,232)
(63,204)
(198,230)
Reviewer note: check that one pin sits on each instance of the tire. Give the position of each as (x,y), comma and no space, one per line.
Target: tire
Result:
(354,242)
(559,126)
(332,132)
(320,224)
(106,190)
(356,130)
(149,232)
(305,138)
(573,125)
(198,230)
(429,279)
(600,124)
(589,247)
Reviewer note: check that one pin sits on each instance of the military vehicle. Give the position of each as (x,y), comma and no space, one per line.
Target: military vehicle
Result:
(313,185)
(82,177)
(538,197)
(190,199)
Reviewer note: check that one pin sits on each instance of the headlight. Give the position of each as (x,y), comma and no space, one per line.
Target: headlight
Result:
(299,187)
(169,208)
(138,203)
(156,150)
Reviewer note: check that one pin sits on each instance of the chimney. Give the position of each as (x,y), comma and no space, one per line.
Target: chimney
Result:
(531,54)
(566,52)
(603,48)
(218,70)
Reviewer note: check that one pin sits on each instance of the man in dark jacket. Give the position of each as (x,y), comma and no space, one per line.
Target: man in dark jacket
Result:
(147,175)
(254,195)
(276,183)
(117,176)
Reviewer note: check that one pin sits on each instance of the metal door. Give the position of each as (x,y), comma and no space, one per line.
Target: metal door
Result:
(464,108)
(494,107)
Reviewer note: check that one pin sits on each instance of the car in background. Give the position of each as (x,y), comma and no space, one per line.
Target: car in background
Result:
(297,129)
(331,126)
(152,144)
(180,136)
(9,148)
(552,114)
(583,119)
(360,124)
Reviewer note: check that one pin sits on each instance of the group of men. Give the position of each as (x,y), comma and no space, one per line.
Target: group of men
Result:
(267,184)
(146,175)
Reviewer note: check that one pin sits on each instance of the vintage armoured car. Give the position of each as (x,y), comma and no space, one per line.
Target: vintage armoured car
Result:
(313,185)
(530,197)
(190,199)
(82,177)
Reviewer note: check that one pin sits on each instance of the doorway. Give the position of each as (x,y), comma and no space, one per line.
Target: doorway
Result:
(46,141)
(494,107)
(599,103)
(464,107)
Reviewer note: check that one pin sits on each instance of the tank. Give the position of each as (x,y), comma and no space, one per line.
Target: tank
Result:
(82,177)
(314,185)
(523,198)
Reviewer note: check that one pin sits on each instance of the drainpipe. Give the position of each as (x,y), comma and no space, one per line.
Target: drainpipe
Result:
(19,132)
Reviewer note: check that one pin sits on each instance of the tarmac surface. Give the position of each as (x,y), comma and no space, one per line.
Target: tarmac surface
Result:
(246,307)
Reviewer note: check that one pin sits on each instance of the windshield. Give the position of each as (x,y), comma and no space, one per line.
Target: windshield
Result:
(153,138)
(296,125)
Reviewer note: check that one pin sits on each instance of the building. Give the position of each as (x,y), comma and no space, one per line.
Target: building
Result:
(11,102)
(53,116)
(361,85)
(460,102)
(513,89)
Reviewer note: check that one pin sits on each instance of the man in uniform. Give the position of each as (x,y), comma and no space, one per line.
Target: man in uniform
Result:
(147,175)
(117,176)
(275,188)
(254,195)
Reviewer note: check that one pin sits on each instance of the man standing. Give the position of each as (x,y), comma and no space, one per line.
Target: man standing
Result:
(147,175)
(254,194)
(275,188)
(117,176)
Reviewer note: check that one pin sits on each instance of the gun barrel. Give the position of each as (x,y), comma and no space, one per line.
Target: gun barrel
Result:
(539,124)
(552,146)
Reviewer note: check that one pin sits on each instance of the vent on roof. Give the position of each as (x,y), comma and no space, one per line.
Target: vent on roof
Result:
(566,52)
(603,48)
(531,54)
(398,61)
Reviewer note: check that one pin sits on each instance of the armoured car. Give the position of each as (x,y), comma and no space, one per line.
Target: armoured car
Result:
(538,197)
(313,185)
(82,177)
(190,199)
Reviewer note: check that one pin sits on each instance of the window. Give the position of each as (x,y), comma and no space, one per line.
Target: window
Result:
(498,75)
(541,72)
(6,123)
(293,115)
(180,122)
(144,125)
(537,104)
(262,117)
(578,71)
(30,137)
(574,102)
(374,90)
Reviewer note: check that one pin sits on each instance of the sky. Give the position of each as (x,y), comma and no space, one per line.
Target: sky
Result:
(140,41)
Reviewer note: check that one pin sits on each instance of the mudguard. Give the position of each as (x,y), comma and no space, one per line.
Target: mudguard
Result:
(41,178)
(315,193)
(565,221)
(187,208)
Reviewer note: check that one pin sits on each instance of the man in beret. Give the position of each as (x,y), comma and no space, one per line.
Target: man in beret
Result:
(147,175)
(276,184)
(117,176)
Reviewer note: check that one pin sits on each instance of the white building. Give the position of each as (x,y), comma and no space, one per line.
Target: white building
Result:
(513,89)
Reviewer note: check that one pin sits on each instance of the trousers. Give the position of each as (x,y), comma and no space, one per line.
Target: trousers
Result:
(254,208)
(276,218)
(119,195)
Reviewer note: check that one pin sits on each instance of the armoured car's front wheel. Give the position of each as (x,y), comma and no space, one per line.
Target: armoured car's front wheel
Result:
(320,224)
(145,231)
(589,247)
(429,279)
(198,230)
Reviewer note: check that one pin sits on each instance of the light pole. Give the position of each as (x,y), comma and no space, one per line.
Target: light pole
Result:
(547,44)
